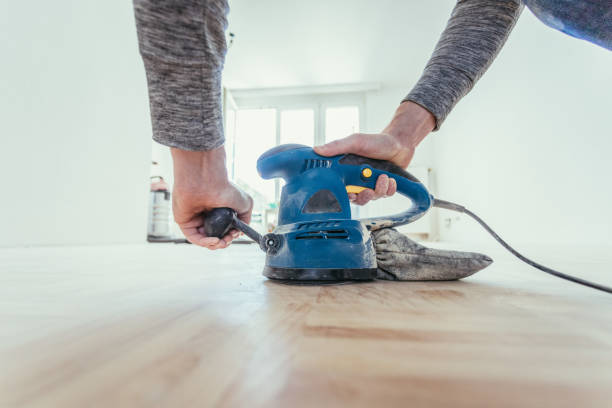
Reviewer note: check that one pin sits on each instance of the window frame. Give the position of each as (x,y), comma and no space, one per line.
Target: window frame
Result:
(317,102)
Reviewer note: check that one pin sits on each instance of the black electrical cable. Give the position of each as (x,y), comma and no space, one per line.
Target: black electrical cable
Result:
(459,208)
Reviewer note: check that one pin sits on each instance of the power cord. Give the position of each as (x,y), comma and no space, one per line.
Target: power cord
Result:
(459,208)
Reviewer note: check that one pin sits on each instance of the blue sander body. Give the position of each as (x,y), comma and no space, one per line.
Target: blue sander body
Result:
(316,239)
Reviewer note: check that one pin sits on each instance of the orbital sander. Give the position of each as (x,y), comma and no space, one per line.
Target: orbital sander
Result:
(316,240)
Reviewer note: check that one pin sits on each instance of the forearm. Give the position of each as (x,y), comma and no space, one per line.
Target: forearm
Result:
(182,43)
(199,170)
(475,33)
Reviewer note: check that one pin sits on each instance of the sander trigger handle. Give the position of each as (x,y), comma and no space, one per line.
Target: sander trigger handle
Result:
(219,221)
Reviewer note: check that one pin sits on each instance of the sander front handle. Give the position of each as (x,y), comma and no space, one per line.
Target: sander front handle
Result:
(219,221)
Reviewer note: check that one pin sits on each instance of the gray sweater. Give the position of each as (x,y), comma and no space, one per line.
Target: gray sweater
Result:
(182,43)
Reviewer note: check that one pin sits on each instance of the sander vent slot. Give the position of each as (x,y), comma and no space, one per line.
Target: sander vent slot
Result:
(316,163)
(324,234)
(319,224)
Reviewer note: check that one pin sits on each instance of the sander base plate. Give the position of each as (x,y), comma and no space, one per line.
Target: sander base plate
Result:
(313,275)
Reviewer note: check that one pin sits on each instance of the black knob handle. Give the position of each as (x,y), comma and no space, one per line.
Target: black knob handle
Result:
(218,222)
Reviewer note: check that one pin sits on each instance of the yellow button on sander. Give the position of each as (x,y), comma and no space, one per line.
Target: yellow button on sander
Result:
(366,173)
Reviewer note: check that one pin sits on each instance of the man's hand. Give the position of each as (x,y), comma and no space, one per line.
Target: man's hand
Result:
(397,142)
(201,184)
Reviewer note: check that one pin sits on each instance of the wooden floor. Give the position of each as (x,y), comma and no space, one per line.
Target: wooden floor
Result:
(177,326)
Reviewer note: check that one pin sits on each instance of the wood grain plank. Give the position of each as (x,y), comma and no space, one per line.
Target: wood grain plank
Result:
(175,326)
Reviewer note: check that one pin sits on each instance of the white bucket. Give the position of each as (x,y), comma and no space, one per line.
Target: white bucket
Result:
(159,214)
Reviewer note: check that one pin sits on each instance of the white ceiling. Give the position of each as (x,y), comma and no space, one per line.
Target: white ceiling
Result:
(300,43)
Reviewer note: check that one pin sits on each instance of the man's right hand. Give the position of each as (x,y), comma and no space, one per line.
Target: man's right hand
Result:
(201,184)
(396,143)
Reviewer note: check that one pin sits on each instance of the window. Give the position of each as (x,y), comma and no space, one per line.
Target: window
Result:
(297,126)
(255,133)
(341,122)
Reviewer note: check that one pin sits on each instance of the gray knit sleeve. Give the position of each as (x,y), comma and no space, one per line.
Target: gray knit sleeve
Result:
(475,33)
(182,43)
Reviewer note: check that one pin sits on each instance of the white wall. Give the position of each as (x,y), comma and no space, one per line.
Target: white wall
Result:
(529,148)
(299,43)
(74,135)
